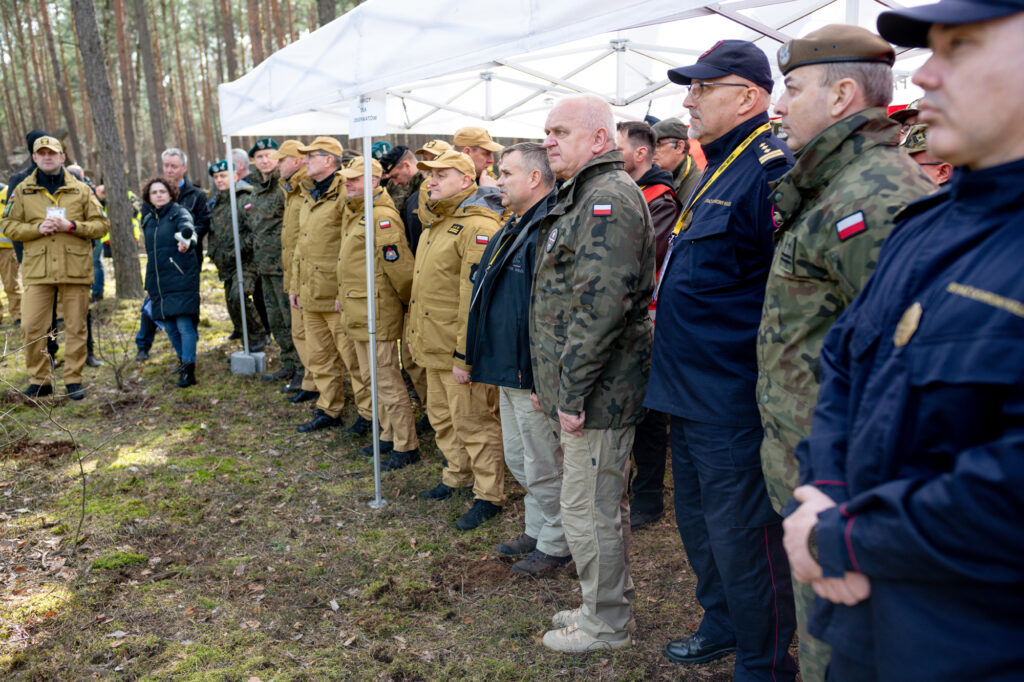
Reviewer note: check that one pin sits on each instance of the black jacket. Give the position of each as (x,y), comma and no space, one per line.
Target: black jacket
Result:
(172,277)
(195,201)
(498,332)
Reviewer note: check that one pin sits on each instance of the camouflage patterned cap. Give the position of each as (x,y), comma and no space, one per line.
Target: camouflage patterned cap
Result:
(835,43)
(356,167)
(669,127)
(903,114)
(263,144)
(217,167)
(916,140)
(450,159)
(288,148)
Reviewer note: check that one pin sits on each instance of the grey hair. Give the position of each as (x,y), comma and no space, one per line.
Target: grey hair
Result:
(240,156)
(174,151)
(875,80)
(534,158)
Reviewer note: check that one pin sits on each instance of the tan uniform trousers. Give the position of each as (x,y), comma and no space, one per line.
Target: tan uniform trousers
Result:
(595,517)
(534,456)
(330,353)
(396,421)
(299,339)
(415,372)
(37,315)
(9,277)
(467,430)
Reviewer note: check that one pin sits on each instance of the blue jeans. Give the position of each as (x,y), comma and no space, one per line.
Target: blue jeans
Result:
(97,267)
(181,330)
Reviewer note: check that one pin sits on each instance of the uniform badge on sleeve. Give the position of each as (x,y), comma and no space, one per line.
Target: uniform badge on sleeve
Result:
(907,325)
(851,225)
(602,209)
(9,206)
(455,229)
(472,272)
(384,224)
(482,239)
(552,238)
(247,207)
(390,253)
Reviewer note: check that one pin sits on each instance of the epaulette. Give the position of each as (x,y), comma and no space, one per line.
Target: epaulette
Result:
(921,205)
(767,151)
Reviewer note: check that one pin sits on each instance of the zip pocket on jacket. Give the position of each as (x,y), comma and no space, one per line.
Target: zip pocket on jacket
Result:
(175,265)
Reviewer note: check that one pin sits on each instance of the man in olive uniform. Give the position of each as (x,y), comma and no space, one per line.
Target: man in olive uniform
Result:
(591,341)
(915,142)
(266,214)
(291,166)
(458,225)
(833,211)
(220,248)
(55,216)
(393,283)
(672,153)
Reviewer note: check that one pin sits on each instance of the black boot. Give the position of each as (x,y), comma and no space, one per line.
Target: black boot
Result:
(188,375)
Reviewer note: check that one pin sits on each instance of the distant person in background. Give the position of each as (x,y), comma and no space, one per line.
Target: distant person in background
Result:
(9,271)
(916,144)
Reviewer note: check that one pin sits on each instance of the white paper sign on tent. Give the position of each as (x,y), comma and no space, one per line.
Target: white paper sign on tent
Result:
(367,117)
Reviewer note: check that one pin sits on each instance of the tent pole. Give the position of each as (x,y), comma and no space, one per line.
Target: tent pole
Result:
(371,312)
(238,250)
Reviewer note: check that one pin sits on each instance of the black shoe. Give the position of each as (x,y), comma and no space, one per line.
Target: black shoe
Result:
(37,390)
(93,361)
(321,420)
(399,459)
(75,391)
(257,345)
(280,375)
(477,514)
(360,427)
(295,384)
(304,396)
(423,426)
(538,562)
(695,649)
(519,547)
(386,446)
(17,323)
(639,519)
(142,355)
(187,375)
(440,492)
(235,335)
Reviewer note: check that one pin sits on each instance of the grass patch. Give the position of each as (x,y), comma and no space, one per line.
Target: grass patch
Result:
(116,560)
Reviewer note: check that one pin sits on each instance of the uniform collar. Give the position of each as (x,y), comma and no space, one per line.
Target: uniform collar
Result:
(609,161)
(990,188)
(715,152)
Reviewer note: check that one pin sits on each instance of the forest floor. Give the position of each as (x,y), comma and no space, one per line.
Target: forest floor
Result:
(165,534)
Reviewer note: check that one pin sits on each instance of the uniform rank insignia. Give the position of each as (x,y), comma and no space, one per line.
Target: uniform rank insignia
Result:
(455,229)
(472,272)
(851,225)
(384,224)
(482,239)
(390,253)
(247,207)
(907,325)
(552,238)
(602,209)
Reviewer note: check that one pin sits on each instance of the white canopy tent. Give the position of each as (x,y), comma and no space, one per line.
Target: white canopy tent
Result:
(501,64)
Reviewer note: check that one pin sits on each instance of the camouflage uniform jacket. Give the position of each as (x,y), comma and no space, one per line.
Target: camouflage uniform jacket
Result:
(220,244)
(834,209)
(265,219)
(456,232)
(393,266)
(292,188)
(315,261)
(400,194)
(590,333)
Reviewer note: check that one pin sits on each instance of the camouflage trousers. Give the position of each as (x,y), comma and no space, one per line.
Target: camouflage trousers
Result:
(279,314)
(231,299)
(781,477)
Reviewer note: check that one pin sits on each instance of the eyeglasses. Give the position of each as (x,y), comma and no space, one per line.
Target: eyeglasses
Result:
(696,88)
(669,142)
(930,163)
(317,153)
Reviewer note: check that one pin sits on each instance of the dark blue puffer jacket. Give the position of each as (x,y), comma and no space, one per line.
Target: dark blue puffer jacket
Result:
(172,277)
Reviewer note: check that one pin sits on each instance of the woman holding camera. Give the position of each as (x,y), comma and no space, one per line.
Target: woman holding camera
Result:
(172,272)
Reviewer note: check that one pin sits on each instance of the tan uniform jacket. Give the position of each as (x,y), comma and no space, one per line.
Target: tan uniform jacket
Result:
(393,267)
(315,261)
(455,233)
(62,258)
(292,188)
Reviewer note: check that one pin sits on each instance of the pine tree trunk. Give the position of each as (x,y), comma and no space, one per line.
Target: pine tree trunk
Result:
(255,37)
(127,94)
(18,55)
(40,81)
(127,275)
(63,87)
(149,71)
(227,31)
(326,11)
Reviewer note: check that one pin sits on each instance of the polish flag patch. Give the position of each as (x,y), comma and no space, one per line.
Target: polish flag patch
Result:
(384,224)
(482,239)
(851,225)
(602,209)
(247,207)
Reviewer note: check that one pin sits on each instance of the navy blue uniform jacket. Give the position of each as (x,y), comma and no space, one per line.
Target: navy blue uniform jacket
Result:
(704,365)
(919,436)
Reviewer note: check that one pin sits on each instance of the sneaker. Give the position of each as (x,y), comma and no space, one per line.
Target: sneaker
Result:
(75,391)
(538,562)
(399,459)
(295,385)
(142,355)
(564,619)
(386,446)
(573,639)
(519,547)
(92,361)
(360,427)
(37,390)
(440,492)
(477,514)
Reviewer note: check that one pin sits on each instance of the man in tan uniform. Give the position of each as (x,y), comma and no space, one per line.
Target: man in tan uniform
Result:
(56,216)
(457,226)
(476,143)
(9,270)
(314,276)
(393,266)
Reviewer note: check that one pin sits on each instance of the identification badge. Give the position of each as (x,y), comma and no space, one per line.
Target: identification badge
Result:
(56,212)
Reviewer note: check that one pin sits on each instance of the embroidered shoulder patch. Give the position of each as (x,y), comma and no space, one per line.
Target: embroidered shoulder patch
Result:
(455,229)
(247,207)
(390,253)
(851,225)
(482,239)
(552,238)
(472,272)
(602,209)
(384,224)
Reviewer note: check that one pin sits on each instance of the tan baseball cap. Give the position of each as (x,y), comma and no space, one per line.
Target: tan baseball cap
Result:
(47,142)
(450,159)
(472,136)
(356,168)
(288,148)
(323,144)
(435,147)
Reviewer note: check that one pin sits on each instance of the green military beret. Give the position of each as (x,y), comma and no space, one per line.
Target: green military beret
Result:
(669,127)
(263,143)
(916,140)
(379,149)
(835,43)
(218,166)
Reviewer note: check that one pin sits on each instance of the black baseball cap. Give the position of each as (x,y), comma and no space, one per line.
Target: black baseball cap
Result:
(391,159)
(909,26)
(728,58)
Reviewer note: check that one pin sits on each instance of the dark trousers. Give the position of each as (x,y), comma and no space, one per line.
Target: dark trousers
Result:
(147,332)
(650,452)
(733,540)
